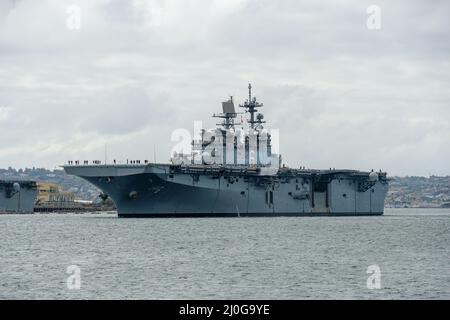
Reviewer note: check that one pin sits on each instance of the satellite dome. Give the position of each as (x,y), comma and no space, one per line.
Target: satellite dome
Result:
(206,154)
(373,176)
(16,186)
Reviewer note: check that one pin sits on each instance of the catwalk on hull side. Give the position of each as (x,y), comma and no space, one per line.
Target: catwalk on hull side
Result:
(233,172)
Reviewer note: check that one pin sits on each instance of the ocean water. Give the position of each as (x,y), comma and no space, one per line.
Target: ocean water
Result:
(98,256)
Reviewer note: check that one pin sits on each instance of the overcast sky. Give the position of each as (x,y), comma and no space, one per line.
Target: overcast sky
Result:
(131,72)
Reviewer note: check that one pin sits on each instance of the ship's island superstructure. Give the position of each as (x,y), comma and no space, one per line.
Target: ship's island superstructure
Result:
(232,171)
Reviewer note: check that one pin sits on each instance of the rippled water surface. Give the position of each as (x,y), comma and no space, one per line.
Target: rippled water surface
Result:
(226,258)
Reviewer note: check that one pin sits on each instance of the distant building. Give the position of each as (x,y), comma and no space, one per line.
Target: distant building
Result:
(49,192)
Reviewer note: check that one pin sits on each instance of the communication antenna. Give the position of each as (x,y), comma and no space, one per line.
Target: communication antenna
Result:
(106,152)
(154,153)
(251,106)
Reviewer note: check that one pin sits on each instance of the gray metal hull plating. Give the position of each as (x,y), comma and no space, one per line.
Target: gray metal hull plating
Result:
(17,201)
(167,191)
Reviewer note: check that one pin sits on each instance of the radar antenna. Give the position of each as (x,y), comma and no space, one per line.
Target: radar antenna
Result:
(229,113)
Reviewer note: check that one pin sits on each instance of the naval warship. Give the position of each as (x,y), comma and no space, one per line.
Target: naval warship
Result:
(232,171)
(17,196)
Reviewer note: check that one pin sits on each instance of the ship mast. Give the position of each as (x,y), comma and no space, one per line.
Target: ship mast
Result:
(251,106)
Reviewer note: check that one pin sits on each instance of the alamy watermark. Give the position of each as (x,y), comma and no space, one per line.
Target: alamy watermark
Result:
(373,21)
(5,112)
(226,146)
(74,278)
(374,280)
(155,12)
(73,21)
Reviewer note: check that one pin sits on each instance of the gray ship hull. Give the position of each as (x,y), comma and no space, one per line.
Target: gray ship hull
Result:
(17,197)
(233,171)
(164,190)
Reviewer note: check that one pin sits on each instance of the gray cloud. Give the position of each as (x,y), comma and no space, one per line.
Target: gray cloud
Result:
(341,95)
